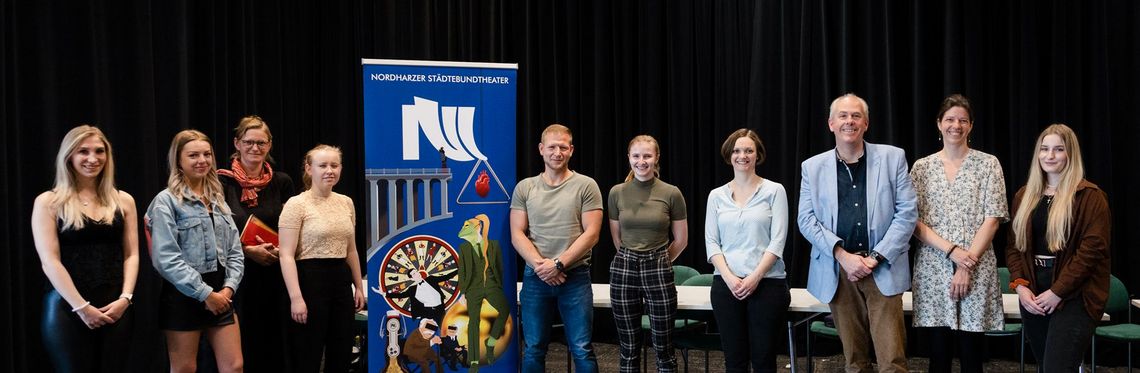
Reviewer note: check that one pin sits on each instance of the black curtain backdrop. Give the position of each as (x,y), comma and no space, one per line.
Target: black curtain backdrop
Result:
(686,72)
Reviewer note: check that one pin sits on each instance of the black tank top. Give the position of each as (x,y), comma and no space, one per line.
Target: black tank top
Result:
(93,256)
(1040,225)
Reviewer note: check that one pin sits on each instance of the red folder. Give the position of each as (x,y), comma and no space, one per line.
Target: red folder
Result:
(254,229)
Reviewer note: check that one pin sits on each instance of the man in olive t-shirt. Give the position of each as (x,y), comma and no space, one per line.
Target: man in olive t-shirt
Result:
(555,220)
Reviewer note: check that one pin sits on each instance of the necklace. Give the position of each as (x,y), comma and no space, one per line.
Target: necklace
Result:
(1048,200)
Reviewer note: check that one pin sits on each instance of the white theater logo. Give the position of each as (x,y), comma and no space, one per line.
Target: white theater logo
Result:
(450,129)
(455,134)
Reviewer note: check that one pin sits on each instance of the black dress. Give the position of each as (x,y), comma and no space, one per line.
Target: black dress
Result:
(262,304)
(93,257)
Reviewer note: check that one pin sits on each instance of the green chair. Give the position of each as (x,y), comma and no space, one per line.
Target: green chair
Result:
(818,328)
(1123,332)
(696,336)
(682,273)
(700,280)
(1011,329)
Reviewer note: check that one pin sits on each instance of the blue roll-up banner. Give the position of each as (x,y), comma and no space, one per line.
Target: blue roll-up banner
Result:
(439,143)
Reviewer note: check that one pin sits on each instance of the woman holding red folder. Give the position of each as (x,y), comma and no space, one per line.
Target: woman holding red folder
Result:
(256,193)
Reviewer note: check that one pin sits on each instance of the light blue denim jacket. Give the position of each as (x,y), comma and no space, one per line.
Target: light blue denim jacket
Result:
(185,243)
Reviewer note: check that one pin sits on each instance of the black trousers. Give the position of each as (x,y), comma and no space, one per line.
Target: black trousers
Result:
(262,307)
(749,327)
(971,348)
(326,287)
(72,347)
(1058,340)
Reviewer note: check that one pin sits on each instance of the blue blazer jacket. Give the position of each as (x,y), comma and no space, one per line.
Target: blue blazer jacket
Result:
(891,216)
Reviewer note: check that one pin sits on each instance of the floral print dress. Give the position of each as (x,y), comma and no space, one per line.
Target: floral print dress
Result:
(955,210)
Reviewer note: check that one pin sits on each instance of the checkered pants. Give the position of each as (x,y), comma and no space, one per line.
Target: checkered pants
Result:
(642,282)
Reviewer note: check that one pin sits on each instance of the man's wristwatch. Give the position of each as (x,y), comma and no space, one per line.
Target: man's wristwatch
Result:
(558,265)
(878,257)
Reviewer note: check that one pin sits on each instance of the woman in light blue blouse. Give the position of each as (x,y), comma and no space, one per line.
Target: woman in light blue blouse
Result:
(745,227)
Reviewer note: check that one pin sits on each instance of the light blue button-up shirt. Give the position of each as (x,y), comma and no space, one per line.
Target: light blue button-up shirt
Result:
(744,234)
(187,240)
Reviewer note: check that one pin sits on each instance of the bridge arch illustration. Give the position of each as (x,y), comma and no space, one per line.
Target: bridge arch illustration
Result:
(411,197)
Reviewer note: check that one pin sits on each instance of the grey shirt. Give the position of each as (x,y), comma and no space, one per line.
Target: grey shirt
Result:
(645,211)
(554,213)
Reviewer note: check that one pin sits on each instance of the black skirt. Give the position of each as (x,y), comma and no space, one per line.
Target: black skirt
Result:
(182,313)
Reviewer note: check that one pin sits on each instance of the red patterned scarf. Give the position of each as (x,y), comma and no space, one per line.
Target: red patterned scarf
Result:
(249,187)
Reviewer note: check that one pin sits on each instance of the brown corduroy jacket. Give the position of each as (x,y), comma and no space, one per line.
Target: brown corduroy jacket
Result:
(1083,267)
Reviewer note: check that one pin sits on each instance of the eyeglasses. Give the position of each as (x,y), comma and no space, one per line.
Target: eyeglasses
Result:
(258,143)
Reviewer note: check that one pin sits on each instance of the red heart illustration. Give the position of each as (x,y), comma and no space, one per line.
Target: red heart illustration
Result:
(482,184)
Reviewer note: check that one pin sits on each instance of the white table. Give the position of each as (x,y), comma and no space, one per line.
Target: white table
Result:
(696,298)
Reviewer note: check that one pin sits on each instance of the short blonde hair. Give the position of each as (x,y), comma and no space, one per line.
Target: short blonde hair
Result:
(656,150)
(251,122)
(305,177)
(556,129)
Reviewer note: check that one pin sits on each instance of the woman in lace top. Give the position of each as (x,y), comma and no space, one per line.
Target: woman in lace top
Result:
(320,265)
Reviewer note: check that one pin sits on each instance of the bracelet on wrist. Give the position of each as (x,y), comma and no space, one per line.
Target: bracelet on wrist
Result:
(951,251)
(81,306)
(1018,282)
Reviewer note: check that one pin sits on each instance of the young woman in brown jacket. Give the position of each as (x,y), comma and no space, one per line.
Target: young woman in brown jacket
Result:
(1058,252)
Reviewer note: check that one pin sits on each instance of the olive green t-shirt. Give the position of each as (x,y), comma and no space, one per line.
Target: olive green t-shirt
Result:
(554,213)
(645,211)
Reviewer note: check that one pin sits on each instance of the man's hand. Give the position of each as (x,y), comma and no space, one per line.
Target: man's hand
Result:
(854,266)
(545,268)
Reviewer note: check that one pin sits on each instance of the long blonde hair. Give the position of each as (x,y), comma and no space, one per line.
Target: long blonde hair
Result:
(656,150)
(66,202)
(305,177)
(1061,209)
(176,182)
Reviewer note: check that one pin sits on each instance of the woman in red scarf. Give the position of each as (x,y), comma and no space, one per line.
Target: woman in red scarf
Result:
(254,189)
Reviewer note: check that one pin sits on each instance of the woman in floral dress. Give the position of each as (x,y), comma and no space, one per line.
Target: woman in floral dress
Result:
(961,201)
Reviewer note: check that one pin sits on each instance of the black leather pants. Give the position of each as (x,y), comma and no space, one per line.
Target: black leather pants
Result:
(72,347)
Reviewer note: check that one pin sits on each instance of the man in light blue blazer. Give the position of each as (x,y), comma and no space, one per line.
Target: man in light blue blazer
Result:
(858,210)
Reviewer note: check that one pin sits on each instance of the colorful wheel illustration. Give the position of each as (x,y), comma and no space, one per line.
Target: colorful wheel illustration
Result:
(431,257)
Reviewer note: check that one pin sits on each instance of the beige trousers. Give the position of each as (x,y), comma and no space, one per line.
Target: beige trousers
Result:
(864,317)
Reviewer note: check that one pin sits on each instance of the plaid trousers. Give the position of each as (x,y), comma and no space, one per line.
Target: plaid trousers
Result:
(642,282)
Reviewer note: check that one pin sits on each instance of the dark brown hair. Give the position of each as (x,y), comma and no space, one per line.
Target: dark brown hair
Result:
(955,100)
(730,143)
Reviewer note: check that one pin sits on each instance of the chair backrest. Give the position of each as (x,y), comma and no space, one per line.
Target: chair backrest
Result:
(1117,296)
(1003,280)
(682,273)
(700,280)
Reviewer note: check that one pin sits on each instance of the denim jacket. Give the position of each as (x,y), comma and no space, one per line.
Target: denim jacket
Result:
(185,243)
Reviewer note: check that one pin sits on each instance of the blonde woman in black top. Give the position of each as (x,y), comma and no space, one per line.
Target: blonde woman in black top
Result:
(86,235)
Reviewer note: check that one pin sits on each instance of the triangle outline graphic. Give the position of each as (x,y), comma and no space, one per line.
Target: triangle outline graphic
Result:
(459,197)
